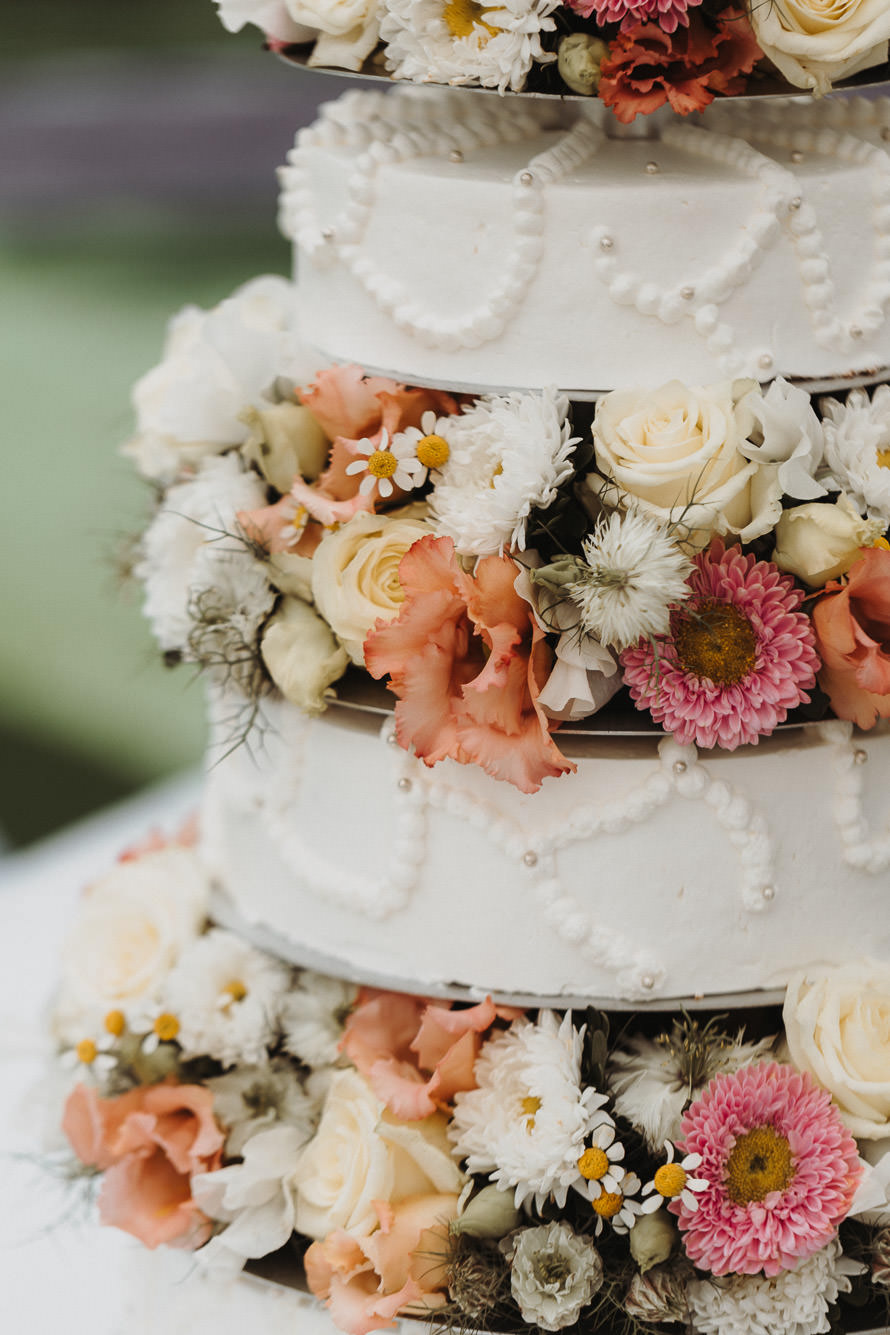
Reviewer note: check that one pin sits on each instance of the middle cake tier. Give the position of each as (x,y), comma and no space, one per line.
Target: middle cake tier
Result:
(755,242)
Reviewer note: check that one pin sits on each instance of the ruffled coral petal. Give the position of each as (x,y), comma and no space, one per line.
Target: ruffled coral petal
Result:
(147,1197)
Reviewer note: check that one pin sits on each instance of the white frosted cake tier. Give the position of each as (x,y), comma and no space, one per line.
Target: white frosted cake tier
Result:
(753,242)
(653,872)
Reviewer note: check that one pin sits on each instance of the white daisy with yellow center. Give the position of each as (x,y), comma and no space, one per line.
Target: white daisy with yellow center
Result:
(386,463)
(600,1165)
(618,1208)
(674,1179)
(94,1054)
(429,445)
(295,517)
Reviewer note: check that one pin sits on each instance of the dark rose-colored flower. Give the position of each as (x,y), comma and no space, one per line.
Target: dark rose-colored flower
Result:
(647,67)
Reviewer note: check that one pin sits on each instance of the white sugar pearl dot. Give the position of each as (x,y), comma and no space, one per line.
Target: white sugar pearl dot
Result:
(606,243)
(797,156)
(525,178)
(530,858)
(687,293)
(652,169)
(796,204)
(455,155)
(765,361)
(680,767)
(860,756)
(768,892)
(647,981)
(405,785)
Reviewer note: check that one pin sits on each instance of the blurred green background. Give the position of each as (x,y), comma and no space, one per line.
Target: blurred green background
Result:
(138,143)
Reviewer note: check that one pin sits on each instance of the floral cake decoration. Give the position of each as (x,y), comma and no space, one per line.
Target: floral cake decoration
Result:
(635,55)
(481,1165)
(715,557)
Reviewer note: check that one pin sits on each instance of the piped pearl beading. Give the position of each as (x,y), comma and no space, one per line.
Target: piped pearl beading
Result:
(860,846)
(381,131)
(386,141)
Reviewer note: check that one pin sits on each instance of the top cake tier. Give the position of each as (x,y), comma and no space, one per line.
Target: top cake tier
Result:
(754,242)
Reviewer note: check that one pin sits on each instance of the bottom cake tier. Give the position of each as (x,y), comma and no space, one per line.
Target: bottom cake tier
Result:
(487,1166)
(655,871)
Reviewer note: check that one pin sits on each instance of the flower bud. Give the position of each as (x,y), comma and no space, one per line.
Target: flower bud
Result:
(578,61)
(490,1214)
(818,542)
(652,1239)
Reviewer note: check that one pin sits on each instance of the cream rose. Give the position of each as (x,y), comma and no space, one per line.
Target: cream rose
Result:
(820,542)
(302,655)
(837,1026)
(132,927)
(677,452)
(285,442)
(815,42)
(360,1154)
(355,572)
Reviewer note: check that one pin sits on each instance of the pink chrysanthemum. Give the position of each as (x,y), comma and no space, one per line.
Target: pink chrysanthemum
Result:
(668,14)
(738,656)
(781,1167)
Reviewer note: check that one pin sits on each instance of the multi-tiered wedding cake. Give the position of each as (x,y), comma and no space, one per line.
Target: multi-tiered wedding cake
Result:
(530,964)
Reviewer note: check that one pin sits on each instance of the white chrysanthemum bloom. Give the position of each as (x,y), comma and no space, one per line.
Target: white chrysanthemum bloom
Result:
(273,17)
(527,1123)
(651,1086)
(215,365)
(507,456)
(227,997)
(674,1180)
(251,1099)
(461,41)
(857,449)
(186,553)
(794,1302)
(635,571)
(313,1015)
(554,1273)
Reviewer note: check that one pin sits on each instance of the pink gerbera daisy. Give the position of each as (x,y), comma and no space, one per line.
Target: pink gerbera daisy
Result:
(738,656)
(668,14)
(781,1168)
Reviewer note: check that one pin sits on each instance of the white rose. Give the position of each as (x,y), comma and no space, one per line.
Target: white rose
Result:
(271,16)
(360,1155)
(837,1025)
(337,17)
(677,452)
(215,365)
(355,572)
(132,927)
(814,42)
(302,655)
(820,542)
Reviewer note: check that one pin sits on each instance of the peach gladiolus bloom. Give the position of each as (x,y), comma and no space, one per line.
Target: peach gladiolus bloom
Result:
(148,1143)
(417,1054)
(852,624)
(467,661)
(367,1281)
